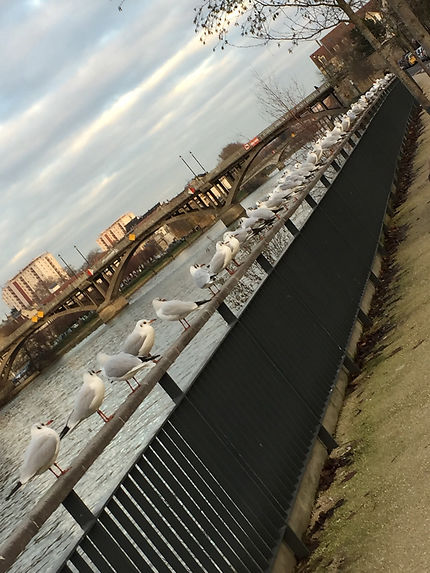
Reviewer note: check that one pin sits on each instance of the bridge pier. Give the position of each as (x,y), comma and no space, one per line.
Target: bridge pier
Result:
(232,214)
(107,311)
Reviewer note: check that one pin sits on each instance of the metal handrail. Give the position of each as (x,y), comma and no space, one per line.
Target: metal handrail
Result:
(56,494)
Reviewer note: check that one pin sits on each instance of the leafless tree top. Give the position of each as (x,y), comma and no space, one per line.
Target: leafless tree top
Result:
(265,22)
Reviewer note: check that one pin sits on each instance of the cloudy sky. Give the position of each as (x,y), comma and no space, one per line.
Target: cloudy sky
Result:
(96,106)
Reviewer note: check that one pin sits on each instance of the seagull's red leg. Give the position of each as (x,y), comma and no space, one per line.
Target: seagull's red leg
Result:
(103,416)
(235,262)
(62,472)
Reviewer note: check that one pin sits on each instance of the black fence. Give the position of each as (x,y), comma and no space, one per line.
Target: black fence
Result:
(213,490)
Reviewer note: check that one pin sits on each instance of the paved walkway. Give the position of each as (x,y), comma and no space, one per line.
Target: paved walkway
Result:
(382,523)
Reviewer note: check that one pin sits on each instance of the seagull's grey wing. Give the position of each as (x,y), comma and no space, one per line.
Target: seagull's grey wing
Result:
(132,343)
(173,307)
(120,364)
(39,456)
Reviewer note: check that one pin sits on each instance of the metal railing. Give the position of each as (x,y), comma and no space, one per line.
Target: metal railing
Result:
(62,490)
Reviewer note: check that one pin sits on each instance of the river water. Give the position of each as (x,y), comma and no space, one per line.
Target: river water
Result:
(52,393)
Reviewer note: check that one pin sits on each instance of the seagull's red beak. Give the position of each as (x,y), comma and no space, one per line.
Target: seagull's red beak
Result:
(48,422)
(152,320)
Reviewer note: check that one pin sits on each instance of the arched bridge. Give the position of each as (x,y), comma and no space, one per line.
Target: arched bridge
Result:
(214,198)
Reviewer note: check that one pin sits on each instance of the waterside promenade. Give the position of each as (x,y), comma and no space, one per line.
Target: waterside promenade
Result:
(375,515)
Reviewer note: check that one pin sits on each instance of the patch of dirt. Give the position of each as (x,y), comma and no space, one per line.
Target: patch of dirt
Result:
(332,464)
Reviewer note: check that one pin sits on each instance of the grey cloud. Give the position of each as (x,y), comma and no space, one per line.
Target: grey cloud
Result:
(139,167)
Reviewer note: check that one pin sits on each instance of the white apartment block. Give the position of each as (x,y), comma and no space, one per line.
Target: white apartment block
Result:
(26,287)
(163,237)
(110,236)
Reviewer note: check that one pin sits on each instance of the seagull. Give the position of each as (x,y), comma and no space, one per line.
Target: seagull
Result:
(273,201)
(346,123)
(88,400)
(261,213)
(304,169)
(122,366)
(40,454)
(176,309)
(141,340)
(312,157)
(201,277)
(234,245)
(317,149)
(221,259)
(241,234)
(290,179)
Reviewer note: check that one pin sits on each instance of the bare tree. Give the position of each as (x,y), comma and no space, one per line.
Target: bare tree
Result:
(295,21)
(412,22)
(276,101)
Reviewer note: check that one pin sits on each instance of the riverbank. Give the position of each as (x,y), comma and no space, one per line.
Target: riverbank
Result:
(371,514)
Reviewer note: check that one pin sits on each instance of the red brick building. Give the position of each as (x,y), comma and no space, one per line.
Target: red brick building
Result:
(333,46)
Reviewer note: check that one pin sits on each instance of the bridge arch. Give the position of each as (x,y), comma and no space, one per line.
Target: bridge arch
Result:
(9,358)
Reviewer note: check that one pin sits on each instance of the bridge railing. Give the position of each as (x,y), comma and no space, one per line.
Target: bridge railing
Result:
(257,546)
(291,114)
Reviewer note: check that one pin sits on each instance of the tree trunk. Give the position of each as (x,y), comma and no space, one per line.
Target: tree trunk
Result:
(405,43)
(385,52)
(396,27)
(411,22)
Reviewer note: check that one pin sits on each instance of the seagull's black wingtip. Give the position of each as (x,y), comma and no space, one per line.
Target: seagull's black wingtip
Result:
(64,432)
(16,488)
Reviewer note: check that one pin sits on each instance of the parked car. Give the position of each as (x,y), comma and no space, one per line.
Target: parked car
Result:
(421,53)
(411,58)
(407,61)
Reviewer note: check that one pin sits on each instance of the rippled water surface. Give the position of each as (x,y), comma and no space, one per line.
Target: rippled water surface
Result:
(51,395)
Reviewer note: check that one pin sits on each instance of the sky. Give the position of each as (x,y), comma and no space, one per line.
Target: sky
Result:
(96,106)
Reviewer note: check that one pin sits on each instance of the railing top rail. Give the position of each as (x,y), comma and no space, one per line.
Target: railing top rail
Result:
(55,495)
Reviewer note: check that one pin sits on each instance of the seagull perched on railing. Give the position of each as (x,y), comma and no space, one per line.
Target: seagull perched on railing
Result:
(202,277)
(141,340)
(234,245)
(241,234)
(220,260)
(123,366)
(176,309)
(88,400)
(261,213)
(40,454)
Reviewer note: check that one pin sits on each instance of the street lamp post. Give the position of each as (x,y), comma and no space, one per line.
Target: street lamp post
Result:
(82,255)
(197,161)
(68,266)
(193,172)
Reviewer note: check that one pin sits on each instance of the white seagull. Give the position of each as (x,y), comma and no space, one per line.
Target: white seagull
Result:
(221,259)
(176,309)
(122,366)
(261,213)
(201,277)
(40,454)
(234,244)
(88,400)
(241,234)
(141,340)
